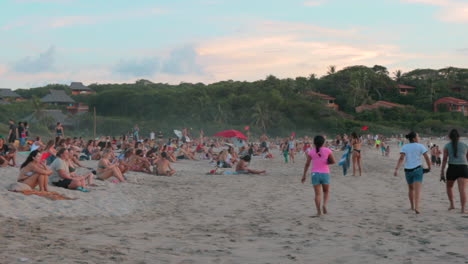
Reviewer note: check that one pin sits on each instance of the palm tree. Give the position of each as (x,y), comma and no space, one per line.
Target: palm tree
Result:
(398,74)
(261,115)
(331,69)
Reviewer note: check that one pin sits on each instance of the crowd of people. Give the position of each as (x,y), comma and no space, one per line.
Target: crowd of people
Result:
(56,162)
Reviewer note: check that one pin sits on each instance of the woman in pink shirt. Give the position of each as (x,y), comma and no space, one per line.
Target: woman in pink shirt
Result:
(321,157)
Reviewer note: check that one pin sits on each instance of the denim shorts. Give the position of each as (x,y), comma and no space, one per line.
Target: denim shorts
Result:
(414,176)
(320,178)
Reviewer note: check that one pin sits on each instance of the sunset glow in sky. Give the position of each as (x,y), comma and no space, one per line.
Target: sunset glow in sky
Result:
(96,41)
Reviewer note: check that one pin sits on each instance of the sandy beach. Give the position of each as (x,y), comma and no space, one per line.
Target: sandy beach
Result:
(198,218)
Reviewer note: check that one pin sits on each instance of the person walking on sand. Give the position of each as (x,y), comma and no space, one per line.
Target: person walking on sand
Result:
(356,143)
(456,153)
(292,147)
(321,158)
(411,154)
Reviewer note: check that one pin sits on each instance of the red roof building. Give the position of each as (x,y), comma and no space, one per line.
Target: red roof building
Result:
(377,105)
(405,89)
(328,100)
(77,108)
(452,105)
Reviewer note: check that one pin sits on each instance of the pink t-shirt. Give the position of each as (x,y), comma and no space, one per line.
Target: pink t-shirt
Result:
(320,163)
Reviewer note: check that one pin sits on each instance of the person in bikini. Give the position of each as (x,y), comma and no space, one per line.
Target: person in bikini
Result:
(59,130)
(139,163)
(242,166)
(356,144)
(33,172)
(106,169)
(163,166)
(74,163)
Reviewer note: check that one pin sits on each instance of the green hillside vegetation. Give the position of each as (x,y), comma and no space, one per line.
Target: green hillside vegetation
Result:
(277,106)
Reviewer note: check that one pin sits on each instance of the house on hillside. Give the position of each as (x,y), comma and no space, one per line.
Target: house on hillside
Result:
(79,88)
(326,99)
(8,95)
(452,105)
(77,108)
(377,105)
(51,117)
(57,97)
(457,89)
(406,89)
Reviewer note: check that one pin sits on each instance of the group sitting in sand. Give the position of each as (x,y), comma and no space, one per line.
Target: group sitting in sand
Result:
(59,161)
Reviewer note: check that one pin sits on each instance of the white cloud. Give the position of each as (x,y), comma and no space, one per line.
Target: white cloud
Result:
(451,11)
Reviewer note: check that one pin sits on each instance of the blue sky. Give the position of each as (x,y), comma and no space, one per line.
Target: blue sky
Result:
(59,41)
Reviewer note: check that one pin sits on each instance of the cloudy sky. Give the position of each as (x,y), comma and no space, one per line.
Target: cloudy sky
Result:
(98,41)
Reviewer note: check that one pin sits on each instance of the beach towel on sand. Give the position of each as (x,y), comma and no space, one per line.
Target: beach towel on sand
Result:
(345,160)
(49,195)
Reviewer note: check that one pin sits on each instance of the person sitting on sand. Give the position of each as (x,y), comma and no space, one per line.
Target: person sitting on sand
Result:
(61,173)
(139,163)
(38,145)
(106,169)
(411,154)
(7,154)
(242,166)
(170,153)
(224,160)
(234,157)
(266,154)
(49,153)
(163,166)
(321,157)
(456,154)
(185,153)
(74,163)
(33,172)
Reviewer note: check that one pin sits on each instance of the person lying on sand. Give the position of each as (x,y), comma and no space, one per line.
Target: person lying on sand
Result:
(163,166)
(106,169)
(61,176)
(242,166)
(33,172)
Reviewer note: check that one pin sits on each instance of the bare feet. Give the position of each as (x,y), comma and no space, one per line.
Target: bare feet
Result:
(463,211)
(451,207)
(417,211)
(324,209)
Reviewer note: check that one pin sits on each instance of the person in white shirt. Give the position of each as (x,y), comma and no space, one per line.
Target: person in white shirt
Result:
(411,154)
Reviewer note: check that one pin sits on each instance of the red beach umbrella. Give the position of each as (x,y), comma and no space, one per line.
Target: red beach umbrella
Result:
(230,134)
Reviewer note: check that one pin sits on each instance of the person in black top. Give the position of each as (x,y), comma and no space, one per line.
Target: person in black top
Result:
(13,133)
(21,134)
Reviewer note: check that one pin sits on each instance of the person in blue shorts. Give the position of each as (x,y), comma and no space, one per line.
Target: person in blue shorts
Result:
(321,157)
(411,154)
